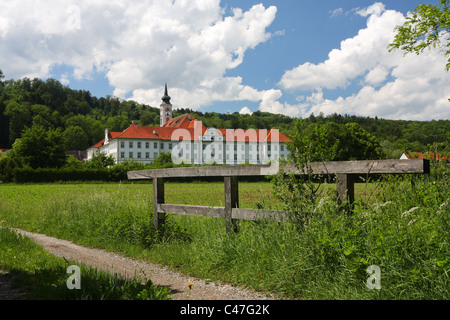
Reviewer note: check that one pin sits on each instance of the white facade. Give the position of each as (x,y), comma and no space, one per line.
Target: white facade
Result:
(193,152)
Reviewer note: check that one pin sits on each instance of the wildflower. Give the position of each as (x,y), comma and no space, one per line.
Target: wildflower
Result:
(190,287)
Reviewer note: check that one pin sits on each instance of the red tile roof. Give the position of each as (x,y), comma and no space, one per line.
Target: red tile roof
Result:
(112,135)
(428,155)
(188,123)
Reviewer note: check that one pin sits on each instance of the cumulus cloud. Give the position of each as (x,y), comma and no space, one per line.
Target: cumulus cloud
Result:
(245,110)
(139,46)
(391,85)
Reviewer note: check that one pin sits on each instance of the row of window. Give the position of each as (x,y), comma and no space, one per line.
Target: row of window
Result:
(140,144)
(155,155)
(155,146)
(139,155)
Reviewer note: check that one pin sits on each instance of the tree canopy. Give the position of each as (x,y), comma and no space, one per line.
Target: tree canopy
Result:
(81,119)
(428,26)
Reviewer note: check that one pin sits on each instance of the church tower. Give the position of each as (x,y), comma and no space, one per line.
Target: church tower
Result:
(166,108)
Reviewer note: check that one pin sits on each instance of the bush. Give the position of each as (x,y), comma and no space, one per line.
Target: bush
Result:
(26,175)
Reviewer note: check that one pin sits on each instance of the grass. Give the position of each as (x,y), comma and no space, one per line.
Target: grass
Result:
(44,277)
(325,257)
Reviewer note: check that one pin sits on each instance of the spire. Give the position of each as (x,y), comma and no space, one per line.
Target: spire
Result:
(166,98)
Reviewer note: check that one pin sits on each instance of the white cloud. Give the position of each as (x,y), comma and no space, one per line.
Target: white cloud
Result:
(245,110)
(188,44)
(355,57)
(392,85)
(336,12)
(377,9)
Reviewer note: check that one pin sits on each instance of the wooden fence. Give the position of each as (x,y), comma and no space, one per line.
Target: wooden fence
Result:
(346,172)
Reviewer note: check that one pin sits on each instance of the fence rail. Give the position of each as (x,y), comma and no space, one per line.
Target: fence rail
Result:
(345,171)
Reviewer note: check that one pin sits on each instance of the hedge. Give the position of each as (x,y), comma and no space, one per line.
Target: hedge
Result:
(24,175)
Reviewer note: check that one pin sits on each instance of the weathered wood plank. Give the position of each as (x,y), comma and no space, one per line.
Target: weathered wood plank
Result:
(231,202)
(321,168)
(158,199)
(259,214)
(219,212)
(363,167)
(202,211)
(209,171)
(346,187)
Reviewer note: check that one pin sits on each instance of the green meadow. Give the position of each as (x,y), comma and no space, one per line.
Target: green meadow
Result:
(399,224)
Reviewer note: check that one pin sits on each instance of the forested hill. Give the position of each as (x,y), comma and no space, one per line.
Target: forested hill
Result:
(83,118)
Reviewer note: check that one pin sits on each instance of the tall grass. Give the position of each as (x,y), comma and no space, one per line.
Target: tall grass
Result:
(43,276)
(404,231)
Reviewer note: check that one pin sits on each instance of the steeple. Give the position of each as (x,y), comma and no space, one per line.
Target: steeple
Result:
(166,98)
(165,108)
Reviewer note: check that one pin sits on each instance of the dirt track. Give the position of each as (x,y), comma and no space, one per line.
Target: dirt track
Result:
(116,264)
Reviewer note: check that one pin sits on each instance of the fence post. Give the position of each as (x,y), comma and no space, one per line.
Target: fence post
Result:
(158,198)
(231,201)
(346,188)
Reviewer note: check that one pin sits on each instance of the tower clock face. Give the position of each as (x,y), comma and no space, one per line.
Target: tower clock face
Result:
(168,109)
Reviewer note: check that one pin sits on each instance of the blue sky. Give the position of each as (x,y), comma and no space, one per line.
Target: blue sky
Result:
(290,57)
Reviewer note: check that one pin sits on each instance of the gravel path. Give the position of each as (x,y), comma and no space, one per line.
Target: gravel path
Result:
(117,264)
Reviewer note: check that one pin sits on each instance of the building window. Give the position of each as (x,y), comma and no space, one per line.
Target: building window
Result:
(122,155)
(139,145)
(170,146)
(122,144)
(147,145)
(130,144)
(155,155)
(130,155)
(139,155)
(147,155)
(282,148)
(161,145)
(155,145)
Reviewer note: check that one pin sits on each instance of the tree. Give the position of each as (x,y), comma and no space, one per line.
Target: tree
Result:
(75,138)
(7,165)
(427,26)
(332,142)
(100,161)
(40,148)
(19,116)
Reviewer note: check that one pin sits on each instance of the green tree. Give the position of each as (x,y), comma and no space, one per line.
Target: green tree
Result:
(75,138)
(100,161)
(426,27)
(19,116)
(7,165)
(332,142)
(41,148)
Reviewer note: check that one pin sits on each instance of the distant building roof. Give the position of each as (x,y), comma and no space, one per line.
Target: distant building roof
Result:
(188,123)
(426,155)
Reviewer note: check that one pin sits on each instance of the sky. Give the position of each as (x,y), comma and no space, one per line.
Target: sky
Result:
(291,57)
